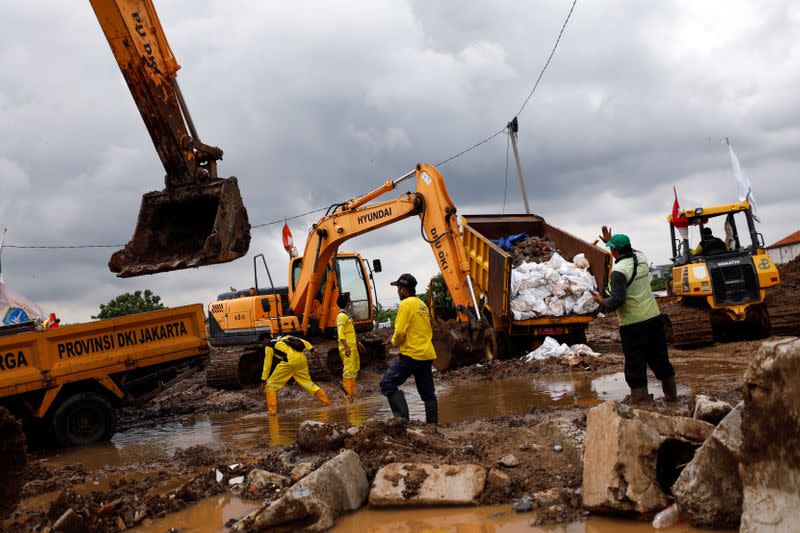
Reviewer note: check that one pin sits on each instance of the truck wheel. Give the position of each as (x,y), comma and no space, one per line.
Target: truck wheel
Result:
(83,419)
(12,462)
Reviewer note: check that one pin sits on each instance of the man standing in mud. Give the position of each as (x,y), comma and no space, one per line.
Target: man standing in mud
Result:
(413,336)
(641,327)
(292,363)
(348,345)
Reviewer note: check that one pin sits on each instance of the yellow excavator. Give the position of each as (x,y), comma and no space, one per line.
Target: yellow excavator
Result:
(199,218)
(307,307)
(719,287)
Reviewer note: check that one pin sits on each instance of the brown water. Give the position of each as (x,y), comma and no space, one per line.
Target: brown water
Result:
(210,515)
(458,401)
(242,431)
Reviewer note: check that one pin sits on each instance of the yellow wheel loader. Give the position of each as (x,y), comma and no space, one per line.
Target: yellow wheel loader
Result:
(719,287)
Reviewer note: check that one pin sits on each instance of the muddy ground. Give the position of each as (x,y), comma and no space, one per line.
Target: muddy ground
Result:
(547,441)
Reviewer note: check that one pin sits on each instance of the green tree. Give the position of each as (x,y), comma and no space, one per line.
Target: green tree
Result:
(130,304)
(385,314)
(441,301)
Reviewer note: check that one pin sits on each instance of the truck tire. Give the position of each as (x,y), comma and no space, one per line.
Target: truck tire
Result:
(84,418)
(12,462)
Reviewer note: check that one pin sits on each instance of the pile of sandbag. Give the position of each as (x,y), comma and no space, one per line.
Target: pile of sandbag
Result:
(551,348)
(553,288)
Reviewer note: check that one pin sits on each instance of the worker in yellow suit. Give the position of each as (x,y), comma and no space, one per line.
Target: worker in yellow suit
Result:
(289,354)
(348,345)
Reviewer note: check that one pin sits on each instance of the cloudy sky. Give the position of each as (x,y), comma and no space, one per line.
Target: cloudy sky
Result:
(318,101)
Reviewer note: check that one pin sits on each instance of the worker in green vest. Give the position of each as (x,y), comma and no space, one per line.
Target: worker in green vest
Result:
(641,327)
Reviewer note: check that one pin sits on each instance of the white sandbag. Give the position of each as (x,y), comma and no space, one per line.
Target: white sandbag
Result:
(549,348)
(583,350)
(555,306)
(585,304)
(580,261)
(555,261)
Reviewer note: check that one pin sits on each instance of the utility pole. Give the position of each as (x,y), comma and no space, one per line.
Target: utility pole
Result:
(513,128)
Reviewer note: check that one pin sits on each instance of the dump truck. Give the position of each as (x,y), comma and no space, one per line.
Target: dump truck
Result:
(491,268)
(65,384)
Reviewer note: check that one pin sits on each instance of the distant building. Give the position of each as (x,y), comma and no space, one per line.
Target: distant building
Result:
(785,249)
(660,271)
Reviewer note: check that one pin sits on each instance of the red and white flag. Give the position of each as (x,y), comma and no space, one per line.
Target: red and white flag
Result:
(680,222)
(288,241)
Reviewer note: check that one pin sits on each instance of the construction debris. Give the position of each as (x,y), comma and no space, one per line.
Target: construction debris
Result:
(770,467)
(403,484)
(338,486)
(708,491)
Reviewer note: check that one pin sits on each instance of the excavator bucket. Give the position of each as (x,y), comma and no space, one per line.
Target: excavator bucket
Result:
(186,228)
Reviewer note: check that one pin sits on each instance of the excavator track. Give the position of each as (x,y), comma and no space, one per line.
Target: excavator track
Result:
(687,325)
(12,462)
(232,367)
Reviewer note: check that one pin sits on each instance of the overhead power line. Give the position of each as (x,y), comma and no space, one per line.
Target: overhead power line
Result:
(547,63)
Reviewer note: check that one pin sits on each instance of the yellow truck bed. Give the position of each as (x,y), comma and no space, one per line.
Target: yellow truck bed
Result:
(490,267)
(114,360)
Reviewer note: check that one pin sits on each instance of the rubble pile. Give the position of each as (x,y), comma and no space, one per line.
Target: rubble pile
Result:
(533,250)
(554,288)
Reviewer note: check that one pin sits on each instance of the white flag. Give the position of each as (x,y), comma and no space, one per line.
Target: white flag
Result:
(742,183)
(15,308)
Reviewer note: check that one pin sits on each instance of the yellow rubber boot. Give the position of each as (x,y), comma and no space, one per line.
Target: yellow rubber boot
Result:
(349,385)
(272,402)
(321,396)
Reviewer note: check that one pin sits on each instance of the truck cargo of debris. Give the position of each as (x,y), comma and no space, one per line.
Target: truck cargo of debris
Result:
(554,288)
(563,306)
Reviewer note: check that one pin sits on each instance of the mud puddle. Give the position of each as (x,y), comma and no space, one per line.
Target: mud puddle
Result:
(210,516)
(207,516)
(244,431)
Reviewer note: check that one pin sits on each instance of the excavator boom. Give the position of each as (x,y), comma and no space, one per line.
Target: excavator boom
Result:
(198,219)
(440,230)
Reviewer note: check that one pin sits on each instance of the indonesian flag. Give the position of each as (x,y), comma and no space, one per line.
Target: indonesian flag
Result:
(680,222)
(288,241)
(742,183)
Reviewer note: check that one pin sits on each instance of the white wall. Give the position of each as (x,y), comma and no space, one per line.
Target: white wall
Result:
(784,254)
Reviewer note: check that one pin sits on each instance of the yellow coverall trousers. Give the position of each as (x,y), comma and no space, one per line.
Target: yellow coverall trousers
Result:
(295,366)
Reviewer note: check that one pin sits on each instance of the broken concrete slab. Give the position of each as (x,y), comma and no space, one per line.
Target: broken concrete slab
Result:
(770,465)
(708,410)
(709,491)
(316,436)
(619,462)
(339,485)
(403,484)
(676,426)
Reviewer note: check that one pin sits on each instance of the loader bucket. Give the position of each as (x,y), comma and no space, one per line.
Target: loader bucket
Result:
(185,228)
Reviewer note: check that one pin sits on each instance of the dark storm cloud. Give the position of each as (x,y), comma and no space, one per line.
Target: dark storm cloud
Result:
(318,103)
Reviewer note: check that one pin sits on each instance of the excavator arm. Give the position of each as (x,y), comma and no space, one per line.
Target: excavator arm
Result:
(437,212)
(199,219)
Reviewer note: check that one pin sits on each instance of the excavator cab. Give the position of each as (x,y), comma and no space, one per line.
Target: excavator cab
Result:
(186,228)
(198,219)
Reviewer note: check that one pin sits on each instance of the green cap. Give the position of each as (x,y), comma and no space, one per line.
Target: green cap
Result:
(618,241)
